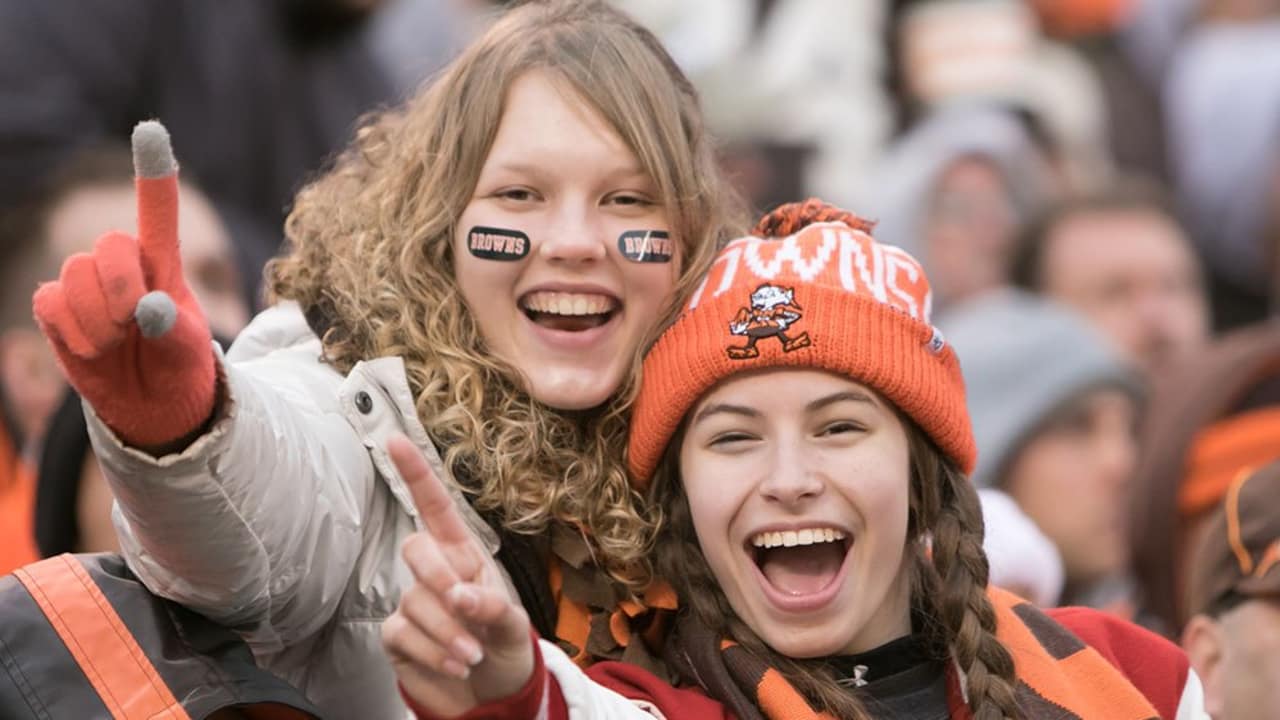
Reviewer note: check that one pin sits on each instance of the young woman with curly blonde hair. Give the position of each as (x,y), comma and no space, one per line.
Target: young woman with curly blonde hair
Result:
(478,272)
(803,426)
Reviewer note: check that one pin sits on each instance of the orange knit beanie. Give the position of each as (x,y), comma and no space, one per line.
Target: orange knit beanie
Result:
(811,289)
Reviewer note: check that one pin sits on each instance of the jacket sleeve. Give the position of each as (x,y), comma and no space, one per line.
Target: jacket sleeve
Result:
(560,690)
(1156,667)
(257,524)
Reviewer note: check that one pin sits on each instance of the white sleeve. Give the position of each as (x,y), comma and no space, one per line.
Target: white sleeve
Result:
(587,699)
(257,524)
(1191,705)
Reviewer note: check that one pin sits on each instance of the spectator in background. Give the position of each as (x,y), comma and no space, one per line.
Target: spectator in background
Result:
(792,88)
(91,193)
(1121,259)
(1233,637)
(1222,101)
(1022,559)
(73,501)
(1054,410)
(956,51)
(953,192)
(257,92)
(1212,416)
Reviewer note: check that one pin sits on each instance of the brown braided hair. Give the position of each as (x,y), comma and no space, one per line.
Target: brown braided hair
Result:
(945,507)
(948,572)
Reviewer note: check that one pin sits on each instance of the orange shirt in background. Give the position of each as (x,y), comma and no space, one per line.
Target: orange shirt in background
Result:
(17,508)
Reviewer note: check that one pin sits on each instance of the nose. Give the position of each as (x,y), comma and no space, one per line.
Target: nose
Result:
(790,482)
(575,237)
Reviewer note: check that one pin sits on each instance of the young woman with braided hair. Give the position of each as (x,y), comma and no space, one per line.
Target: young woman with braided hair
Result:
(803,428)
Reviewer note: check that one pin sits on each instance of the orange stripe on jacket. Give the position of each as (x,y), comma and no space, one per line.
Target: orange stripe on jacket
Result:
(98,639)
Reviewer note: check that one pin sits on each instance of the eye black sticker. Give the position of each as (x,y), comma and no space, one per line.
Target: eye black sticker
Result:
(489,243)
(646,246)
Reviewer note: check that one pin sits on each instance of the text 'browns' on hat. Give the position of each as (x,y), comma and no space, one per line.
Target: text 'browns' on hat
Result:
(1239,555)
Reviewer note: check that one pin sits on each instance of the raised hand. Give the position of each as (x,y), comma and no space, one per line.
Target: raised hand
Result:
(457,639)
(127,331)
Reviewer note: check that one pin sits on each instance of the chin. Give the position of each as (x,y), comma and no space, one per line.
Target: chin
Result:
(805,645)
(573,394)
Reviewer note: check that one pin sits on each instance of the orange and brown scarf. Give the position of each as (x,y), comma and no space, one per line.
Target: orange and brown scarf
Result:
(1059,676)
(595,619)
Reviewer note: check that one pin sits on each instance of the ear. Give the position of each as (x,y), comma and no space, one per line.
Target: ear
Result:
(30,379)
(1203,639)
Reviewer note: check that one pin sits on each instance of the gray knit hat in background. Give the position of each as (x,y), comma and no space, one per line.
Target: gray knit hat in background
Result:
(1023,357)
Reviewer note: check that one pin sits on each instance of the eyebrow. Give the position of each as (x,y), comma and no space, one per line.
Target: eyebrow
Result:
(820,403)
(535,170)
(847,395)
(710,410)
(519,168)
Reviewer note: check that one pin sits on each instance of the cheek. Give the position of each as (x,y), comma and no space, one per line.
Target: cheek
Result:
(885,507)
(1046,468)
(487,288)
(876,475)
(649,285)
(481,278)
(711,504)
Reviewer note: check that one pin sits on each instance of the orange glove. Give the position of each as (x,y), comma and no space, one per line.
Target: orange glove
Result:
(128,333)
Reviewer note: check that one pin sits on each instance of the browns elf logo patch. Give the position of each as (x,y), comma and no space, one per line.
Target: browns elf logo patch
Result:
(773,311)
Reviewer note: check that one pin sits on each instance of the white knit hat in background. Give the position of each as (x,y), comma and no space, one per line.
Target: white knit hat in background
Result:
(1023,560)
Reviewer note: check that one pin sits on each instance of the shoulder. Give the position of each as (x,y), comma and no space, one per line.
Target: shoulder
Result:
(1157,667)
(279,327)
(279,349)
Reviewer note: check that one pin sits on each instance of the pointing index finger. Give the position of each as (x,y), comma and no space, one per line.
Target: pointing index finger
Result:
(435,505)
(156,185)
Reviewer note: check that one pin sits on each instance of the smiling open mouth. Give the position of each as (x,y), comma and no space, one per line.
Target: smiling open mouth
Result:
(570,312)
(800,562)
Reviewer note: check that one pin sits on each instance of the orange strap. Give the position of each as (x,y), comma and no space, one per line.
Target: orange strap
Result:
(102,645)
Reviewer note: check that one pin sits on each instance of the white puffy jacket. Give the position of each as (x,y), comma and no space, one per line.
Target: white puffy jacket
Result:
(285,519)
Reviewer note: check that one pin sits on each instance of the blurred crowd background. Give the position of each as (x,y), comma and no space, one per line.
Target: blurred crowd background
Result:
(1092,185)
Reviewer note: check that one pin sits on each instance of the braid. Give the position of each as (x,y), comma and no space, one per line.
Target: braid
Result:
(956,580)
(792,217)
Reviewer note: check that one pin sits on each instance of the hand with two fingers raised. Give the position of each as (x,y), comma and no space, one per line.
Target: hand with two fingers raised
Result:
(127,330)
(458,639)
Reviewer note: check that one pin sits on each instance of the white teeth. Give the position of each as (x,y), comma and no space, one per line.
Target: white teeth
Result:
(791,538)
(558,303)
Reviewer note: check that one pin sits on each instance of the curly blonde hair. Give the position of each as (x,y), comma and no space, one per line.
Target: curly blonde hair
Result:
(371,263)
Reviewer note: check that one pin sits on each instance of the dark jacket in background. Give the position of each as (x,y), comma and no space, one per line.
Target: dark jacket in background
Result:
(256,94)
